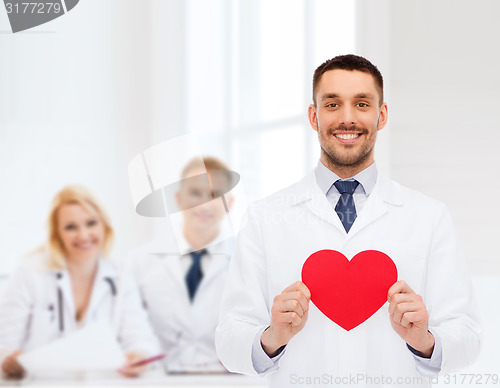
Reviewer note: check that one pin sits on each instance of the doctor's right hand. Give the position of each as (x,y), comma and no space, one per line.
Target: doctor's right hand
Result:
(129,370)
(288,317)
(11,367)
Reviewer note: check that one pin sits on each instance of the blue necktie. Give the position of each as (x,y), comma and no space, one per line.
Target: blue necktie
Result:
(194,275)
(345,206)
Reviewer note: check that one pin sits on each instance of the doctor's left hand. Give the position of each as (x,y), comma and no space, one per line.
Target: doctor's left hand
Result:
(132,371)
(409,317)
(11,367)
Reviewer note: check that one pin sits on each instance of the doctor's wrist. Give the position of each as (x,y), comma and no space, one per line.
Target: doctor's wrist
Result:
(270,346)
(426,350)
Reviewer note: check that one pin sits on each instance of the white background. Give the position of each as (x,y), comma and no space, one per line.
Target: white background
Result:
(83,94)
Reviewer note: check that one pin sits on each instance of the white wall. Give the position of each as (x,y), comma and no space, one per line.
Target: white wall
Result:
(74,108)
(443,93)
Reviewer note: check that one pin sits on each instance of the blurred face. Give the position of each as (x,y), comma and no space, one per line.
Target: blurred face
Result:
(347,116)
(200,200)
(80,231)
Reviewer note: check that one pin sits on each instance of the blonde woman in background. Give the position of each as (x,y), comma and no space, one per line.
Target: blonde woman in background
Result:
(69,284)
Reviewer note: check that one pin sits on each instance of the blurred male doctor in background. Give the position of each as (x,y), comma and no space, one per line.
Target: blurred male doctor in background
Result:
(181,277)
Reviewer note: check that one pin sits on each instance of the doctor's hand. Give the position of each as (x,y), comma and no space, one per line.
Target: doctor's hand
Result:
(409,318)
(288,317)
(132,371)
(11,367)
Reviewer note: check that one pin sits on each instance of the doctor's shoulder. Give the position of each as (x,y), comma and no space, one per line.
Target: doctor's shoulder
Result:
(280,201)
(418,202)
(37,260)
(139,261)
(30,275)
(36,263)
(412,196)
(123,277)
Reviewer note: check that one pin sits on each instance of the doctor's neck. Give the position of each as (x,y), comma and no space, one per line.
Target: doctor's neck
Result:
(346,169)
(82,267)
(200,238)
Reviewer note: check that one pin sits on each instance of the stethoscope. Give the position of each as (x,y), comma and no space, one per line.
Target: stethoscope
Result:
(60,301)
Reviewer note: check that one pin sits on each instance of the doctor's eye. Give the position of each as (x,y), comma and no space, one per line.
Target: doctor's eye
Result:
(332,105)
(92,223)
(195,193)
(362,104)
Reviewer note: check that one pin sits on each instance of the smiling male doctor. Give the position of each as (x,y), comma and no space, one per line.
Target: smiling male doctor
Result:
(267,323)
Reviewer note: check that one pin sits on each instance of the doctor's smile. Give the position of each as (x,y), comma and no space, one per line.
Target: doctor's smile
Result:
(348,136)
(81,232)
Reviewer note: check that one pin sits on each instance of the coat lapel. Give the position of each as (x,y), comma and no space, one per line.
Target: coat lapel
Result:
(386,194)
(166,251)
(173,266)
(373,209)
(64,285)
(220,260)
(315,201)
(102,287)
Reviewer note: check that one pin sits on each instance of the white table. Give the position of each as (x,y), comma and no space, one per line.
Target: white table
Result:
(153,378)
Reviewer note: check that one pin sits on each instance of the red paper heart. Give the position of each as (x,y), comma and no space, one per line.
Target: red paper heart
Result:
(349,292)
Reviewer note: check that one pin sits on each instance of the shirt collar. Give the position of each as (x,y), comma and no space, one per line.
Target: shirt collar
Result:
(105,269)
(366,178)
(215,246)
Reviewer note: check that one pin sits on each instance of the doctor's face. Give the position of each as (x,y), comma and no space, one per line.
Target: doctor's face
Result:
(81,232)
(347,115)
(200,200)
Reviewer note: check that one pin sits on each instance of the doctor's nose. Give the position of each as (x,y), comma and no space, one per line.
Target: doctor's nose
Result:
(83,233)
(348,116)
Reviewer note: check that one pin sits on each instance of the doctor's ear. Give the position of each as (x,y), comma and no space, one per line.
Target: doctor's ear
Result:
(229,201)
(382,116)
(313,117)
(178,199)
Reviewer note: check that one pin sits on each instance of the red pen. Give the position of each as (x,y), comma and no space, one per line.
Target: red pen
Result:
(147,360)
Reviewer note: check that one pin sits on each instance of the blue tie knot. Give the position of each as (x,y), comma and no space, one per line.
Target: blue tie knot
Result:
(346,187)
(196,256)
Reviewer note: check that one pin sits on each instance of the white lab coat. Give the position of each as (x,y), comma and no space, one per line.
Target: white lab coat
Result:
(284,229)
(186,330)
(29,308)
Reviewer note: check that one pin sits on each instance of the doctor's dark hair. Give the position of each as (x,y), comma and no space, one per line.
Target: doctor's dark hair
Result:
(349,62)
(74,194)
(208,163)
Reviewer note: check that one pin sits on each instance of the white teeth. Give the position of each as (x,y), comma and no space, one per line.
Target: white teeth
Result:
(347,136)
(84,246)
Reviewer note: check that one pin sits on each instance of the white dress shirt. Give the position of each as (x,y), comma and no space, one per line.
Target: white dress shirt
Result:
(325,179)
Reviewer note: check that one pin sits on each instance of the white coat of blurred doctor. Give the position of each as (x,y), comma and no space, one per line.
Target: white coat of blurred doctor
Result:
(181,277)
